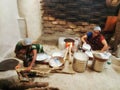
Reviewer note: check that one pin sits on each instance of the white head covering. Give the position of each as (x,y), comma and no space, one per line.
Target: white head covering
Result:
(27,41)
(97,28)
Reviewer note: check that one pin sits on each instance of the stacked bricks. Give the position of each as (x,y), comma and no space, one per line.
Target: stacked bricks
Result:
(52,25)
(74,17)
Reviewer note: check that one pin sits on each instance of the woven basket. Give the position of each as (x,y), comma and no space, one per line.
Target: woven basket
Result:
(80,63)
(98,64)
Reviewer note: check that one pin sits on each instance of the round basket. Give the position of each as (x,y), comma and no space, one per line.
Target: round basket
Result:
(99,63)
(80,62)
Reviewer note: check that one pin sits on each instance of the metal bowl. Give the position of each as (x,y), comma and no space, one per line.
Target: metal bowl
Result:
(56,61)
(86,47)
(42,57)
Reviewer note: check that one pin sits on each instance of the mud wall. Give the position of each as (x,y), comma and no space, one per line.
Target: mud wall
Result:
(18,19)
(9,29)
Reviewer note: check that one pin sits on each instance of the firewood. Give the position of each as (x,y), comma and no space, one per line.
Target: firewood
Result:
(70,54)
(26,85)
(45,88)
(32,72)
(62,72)
(66,52)
(53,88)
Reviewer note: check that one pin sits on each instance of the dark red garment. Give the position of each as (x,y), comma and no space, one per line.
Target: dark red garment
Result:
(96,42)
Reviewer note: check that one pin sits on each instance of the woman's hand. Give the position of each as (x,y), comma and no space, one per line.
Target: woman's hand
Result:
(28,68)
(18,66)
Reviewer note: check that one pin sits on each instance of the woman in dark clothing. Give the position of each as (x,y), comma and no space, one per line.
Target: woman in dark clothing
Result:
(27,51)
(95,39)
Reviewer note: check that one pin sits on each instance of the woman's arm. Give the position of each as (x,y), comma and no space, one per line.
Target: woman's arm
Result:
(33,60)
(83,38)
(105,47)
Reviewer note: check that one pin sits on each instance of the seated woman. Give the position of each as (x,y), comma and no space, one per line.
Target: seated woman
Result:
(27,51)
(96,40)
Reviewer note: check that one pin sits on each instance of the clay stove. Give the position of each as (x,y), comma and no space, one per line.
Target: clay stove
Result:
(65,42)
(69,42)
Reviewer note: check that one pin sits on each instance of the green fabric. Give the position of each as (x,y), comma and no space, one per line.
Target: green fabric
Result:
(38,47)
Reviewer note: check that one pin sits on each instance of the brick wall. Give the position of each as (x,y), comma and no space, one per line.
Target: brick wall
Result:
(76,17)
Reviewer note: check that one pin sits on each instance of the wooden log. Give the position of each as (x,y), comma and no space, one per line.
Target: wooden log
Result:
(62,72)
(35,72)
(26,85)
(45,88)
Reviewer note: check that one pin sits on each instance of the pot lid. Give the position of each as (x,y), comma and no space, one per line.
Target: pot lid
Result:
(81,56)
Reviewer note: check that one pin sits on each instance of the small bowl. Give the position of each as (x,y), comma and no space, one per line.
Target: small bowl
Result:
(86,47)
(56,61)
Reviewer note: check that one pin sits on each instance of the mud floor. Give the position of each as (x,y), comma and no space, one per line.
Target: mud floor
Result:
(108,79)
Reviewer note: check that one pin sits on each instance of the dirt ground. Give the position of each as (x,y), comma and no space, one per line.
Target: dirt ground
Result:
(108,79)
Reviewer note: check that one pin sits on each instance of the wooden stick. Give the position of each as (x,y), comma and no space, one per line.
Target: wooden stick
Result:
(45,88)
(66,52)
(70,48)
(63,72)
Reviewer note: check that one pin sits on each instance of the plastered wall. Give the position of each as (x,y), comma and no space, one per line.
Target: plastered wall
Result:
(29,10)
(18,19)
(9,31)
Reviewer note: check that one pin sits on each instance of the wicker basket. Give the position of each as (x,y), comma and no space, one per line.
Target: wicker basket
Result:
(99,63)
(80,62)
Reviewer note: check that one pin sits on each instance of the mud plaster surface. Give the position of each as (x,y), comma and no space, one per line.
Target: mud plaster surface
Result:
(108,79)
